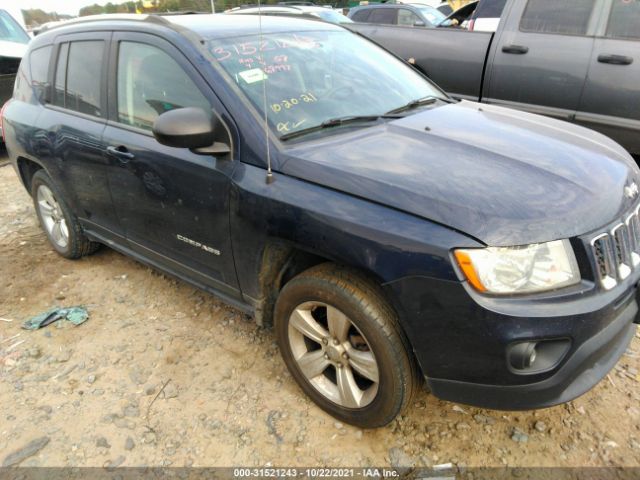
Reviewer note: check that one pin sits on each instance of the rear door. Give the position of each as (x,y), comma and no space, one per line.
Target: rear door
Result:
(69,136)
(539,62)
(172,203)
(611,100)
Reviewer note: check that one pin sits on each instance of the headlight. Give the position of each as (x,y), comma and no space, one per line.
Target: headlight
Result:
(525,269)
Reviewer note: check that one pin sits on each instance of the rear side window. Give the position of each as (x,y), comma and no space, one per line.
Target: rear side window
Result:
(407,17)
(39,66)
(61,75)
(624,21)
(566,17)
(361,15)
(385,16)
(150,83)
(489,9)
(78,77)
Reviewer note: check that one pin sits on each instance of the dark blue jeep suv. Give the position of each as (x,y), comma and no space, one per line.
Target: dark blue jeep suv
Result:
(317,182)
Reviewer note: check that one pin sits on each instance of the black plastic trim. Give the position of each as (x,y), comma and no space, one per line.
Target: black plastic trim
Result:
(586,367)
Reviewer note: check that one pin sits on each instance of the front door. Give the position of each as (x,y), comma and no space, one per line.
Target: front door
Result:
(540,60)
(172,203)
(613,84)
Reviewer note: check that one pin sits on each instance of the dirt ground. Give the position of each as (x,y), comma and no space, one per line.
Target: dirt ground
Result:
(95,391)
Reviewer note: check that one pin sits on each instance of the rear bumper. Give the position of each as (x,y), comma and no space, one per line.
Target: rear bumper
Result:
(589,364)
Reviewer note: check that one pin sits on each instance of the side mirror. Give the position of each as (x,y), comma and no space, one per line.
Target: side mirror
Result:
(192,128)
(419,23)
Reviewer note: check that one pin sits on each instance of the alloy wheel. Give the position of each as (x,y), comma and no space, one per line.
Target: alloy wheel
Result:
(52,217)
(333,354)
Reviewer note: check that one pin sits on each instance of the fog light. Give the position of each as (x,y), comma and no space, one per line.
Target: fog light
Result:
(527,358)
(523,355)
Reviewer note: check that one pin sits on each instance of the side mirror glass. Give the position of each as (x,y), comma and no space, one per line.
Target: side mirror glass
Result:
(192,128)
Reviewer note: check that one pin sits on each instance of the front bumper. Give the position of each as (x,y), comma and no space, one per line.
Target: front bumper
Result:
(589,364)
(461,341)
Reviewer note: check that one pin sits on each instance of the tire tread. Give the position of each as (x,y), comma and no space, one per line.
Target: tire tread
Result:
(371,300)
(79,244)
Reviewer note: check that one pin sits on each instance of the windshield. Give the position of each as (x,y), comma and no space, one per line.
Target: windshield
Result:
(433,15)
(10,30)
(317,76)
(332,16)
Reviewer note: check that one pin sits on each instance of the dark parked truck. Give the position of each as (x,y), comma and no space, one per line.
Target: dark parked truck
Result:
(399,235)
(576,60)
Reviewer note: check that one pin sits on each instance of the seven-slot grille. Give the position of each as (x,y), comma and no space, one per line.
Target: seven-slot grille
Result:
(617,252)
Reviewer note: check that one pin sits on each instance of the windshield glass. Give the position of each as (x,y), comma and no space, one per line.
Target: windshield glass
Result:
(433,15)
(332,16)
(316,76)
(10,30)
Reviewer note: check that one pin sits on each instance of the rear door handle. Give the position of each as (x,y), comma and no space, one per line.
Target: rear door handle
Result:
(516,49)
(121,153)
(615,59)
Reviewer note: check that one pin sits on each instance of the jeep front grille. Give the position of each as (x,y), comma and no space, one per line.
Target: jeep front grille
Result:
(617,252)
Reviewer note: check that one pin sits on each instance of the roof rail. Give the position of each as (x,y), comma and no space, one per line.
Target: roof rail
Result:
(263,6)
(180,12)
(139,17)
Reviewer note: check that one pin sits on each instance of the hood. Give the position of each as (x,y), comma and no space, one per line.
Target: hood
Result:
(502,176)
(12,49)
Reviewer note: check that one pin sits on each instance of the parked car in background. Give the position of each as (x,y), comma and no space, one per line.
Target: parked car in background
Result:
(576,60)
(460,17)
(389,233)
(403,14)
(13,45)
(327,14)
(15,11)
(445,8)
(486,15)
(441,5)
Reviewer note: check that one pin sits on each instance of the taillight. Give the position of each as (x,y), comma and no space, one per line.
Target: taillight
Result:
(471,22)
(2,118)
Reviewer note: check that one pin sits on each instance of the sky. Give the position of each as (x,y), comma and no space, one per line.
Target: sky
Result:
(70,7)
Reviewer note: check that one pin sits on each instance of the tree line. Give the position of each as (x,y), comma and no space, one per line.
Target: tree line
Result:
(34,17)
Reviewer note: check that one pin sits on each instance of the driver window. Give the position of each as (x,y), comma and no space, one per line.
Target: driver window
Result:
(150,83)
(407,18)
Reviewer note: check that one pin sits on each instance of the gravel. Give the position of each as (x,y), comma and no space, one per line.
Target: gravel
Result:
(25,451)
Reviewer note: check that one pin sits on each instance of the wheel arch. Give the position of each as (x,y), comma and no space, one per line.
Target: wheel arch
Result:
(283,260)
(27,169)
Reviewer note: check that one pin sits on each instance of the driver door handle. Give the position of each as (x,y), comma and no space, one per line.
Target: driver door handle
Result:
(516,49)
(121,153)
(615,59)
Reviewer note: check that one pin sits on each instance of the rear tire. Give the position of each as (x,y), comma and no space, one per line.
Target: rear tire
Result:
(61,226)
(343,344)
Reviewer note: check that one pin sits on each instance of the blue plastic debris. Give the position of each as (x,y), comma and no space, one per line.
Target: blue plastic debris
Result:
(75,315)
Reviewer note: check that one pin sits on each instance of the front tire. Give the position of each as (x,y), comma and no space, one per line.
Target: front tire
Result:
(56,219)
(343,344)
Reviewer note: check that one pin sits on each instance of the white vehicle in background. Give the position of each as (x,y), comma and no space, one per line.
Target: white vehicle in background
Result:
(13,45)
(13,34)
(324,13)
(15,12)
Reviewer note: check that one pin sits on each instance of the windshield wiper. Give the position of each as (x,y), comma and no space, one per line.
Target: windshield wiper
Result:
(334,122)
(418,103)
